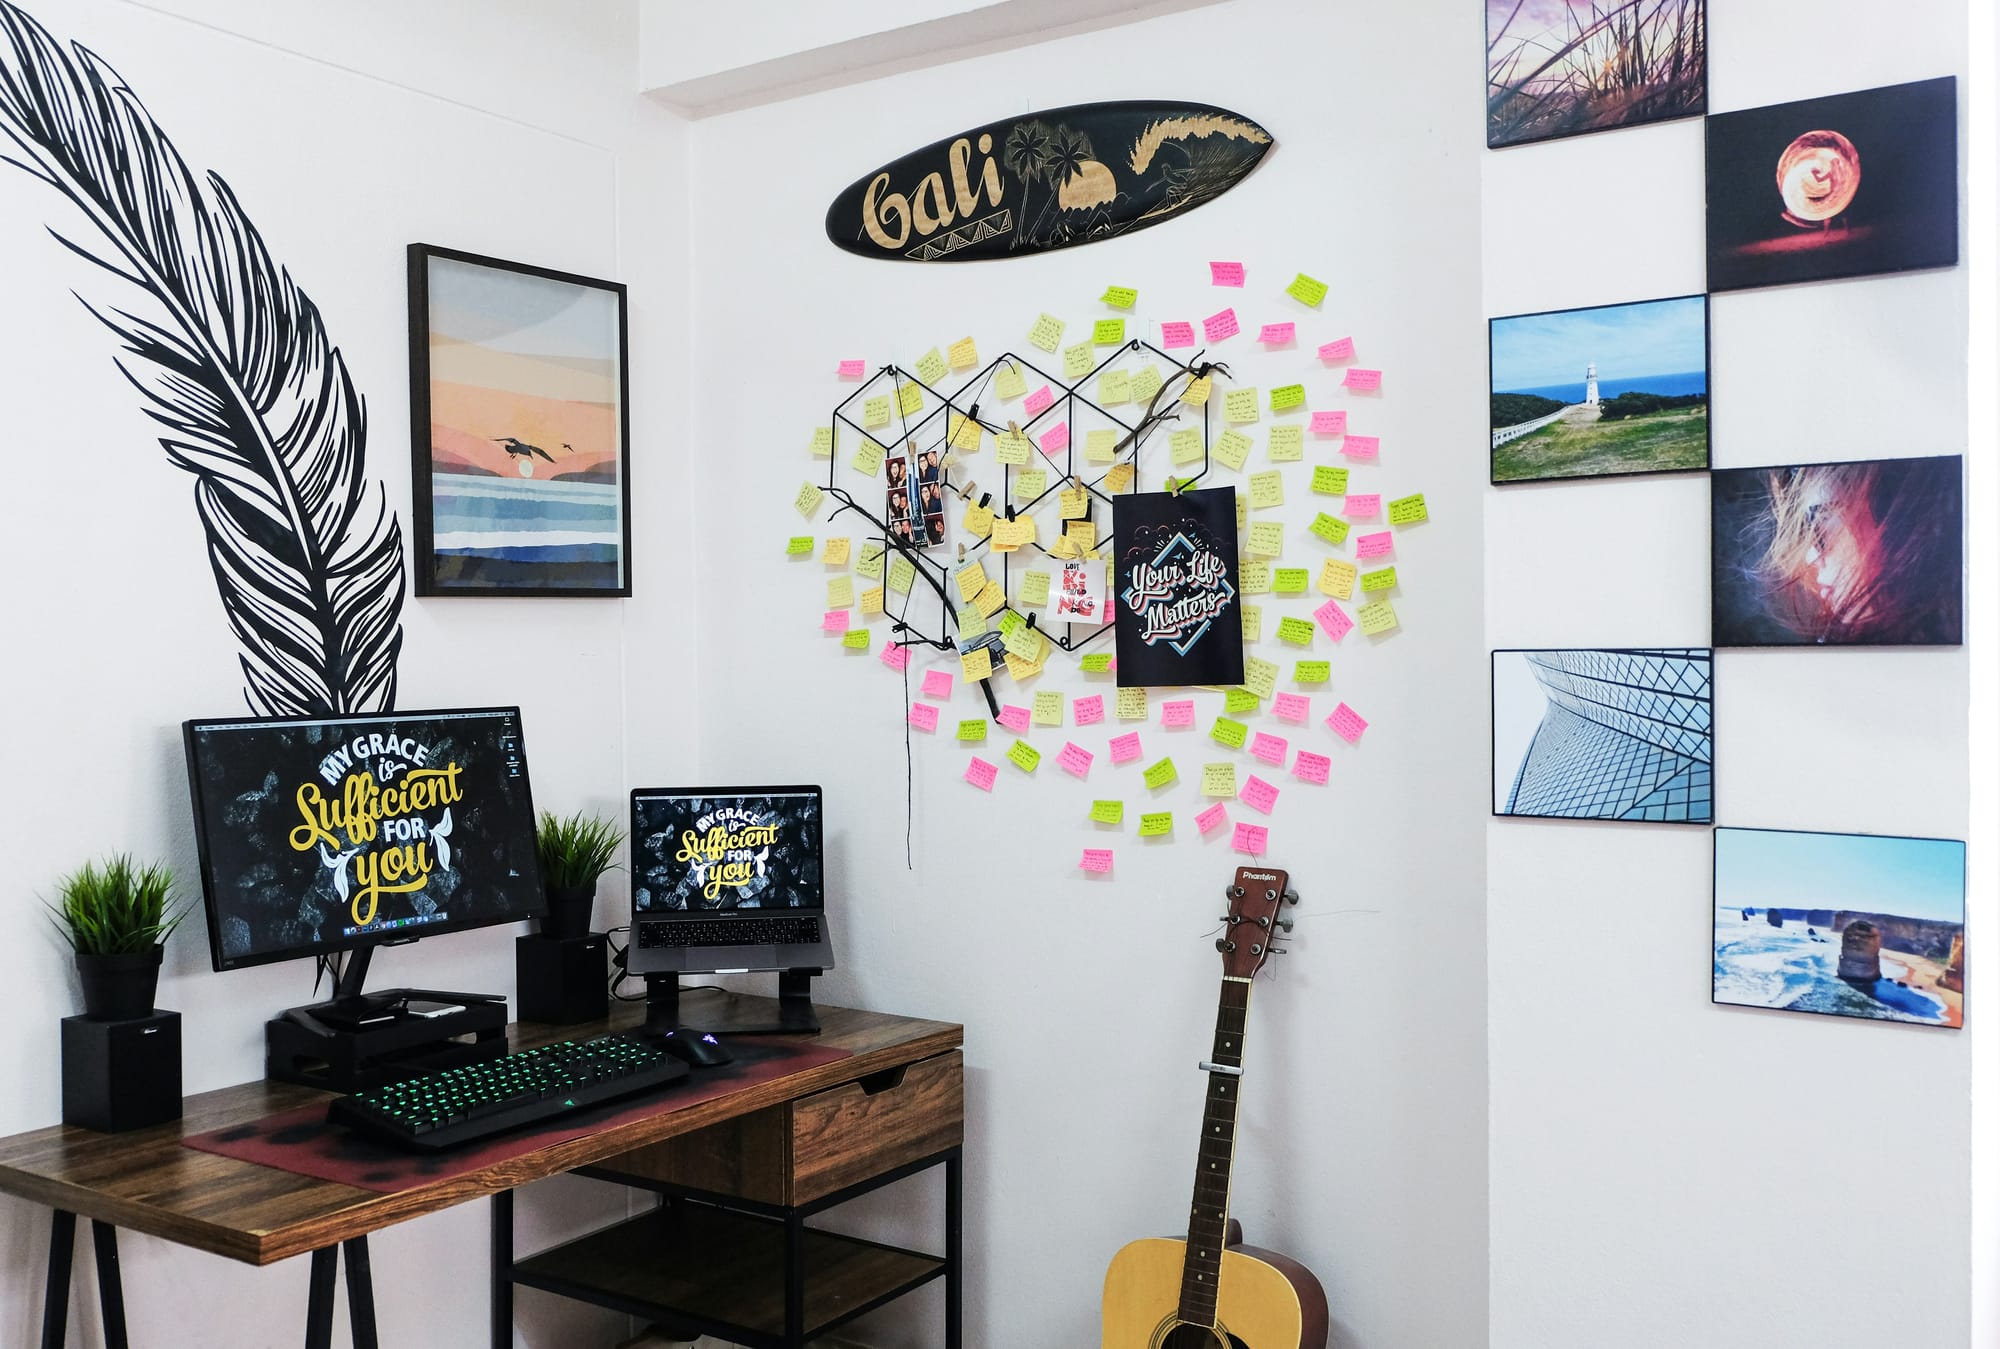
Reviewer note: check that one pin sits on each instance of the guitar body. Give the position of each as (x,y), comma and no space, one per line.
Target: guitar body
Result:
(1265,1301)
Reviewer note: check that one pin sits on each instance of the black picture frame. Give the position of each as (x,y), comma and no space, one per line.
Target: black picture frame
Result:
(429,580)
(1670,110)
(1708,388)
(1687,653)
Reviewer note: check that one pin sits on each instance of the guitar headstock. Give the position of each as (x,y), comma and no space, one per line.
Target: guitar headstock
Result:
(1255,898)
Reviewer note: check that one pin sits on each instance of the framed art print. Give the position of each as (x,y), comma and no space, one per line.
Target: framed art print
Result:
(1605,733)
(519,429)
(1566,67)
(1599,392)
(1857,925)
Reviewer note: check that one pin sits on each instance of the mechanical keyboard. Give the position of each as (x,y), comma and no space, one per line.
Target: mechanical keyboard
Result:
(463,1105)
(787,930)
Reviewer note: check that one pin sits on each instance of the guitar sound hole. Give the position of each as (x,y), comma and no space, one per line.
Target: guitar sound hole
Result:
(1199,1337)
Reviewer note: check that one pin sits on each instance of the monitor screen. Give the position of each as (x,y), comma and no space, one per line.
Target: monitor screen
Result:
(725,849)
(322,833)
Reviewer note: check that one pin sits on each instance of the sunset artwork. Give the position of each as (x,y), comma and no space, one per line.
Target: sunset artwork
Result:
(519,420)
(1566,67)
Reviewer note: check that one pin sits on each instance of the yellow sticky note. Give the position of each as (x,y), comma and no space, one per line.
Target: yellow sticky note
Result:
(930,366)
(1260,676)
(1047,332)
(1100,447)
(963,354)
(806,503)
(856,639)
(964,434)
(1312,671)
(1239,700)
(1242,510)
(1108,332)
(1408,510)
(1297,631)
(871,601)
(1254,577)
(1118,477)
(1232,447)
(1023,670)
(1161,774)
(1197,390)
(868,457)
(1114,387)
(1376,617)
(1382,579)
(1008,381)
(971,623)
(1011,447)
(1152,824)
(801,545)
(1074,503)
(1331,528)
(1307,290)
(1048,708)
(1131,704)
(991,599)
(976,664)
(836,552)
(1218,779)
(1287,444)
(1330,482)
(972,730)
(840,592)
(875,412)
(1077,361)
(1289,581)
(1120,297)
(1186,445)
(1267,538)
(870,564)
(1023,642)
(1253,622)
(971,580)
(1288,396)
(1267,489)
(1107,812)
(822,442)
(1228,731)
(1146,383)
(978,521)
(1030,483)
(902,572)
(1240,405)
(1035,589)
(1024,756)
(909,399)
(1083,533)
(1009,535)
(1336,578)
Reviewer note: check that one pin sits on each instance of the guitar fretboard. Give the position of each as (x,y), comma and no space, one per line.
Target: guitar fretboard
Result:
(1208,1224)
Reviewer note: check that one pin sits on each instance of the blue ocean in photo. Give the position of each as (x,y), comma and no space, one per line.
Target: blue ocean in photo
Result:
(527,532)
(1669,386)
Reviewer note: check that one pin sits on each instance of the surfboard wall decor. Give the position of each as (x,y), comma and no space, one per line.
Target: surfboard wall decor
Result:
(1067,176)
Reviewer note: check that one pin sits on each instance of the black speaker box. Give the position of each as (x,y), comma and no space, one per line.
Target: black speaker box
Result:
(119,1075)
(561,980)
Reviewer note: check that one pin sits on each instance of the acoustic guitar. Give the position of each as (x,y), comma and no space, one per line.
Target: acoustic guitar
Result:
(1211,1291)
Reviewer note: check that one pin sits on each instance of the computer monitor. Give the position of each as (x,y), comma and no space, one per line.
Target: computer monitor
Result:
(321,834)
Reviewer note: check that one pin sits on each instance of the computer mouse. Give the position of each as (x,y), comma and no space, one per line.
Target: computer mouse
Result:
(696,1049)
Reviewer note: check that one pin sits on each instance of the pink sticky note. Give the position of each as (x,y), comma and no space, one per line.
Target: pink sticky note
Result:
(1270,748)
(1292,707)
(1218,326)
(1087,711)
(895,655)
(1037,401)
(1075,759)
(853,369)
(1362,447)
(1225,273)
(1334,620)
(924,716)
(1251,838)
(1177,714)
(1277,333)
(1347,723)
(1176,335)
(1258,794)
(1212,819)
(937,684)
(1362,381)
(1125,748)
(981,774)
(1015,719)
(1096,859)
(1310,767)
(1329,423)
(1374,545)
(835,621)
(1363,507)
(1340,349)
(1056,438)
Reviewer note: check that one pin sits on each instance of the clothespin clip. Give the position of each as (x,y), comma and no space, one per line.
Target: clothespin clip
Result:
(1174,486)
(961,552)
(986,498)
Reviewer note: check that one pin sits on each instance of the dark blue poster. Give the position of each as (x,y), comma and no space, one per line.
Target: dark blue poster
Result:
(1179,619)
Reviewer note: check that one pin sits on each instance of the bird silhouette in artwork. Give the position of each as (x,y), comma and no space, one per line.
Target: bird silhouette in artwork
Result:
(521,449)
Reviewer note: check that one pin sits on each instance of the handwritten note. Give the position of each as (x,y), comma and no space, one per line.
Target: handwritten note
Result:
(1146,383)
(981,773)
(1288,396)
(1107,812)
(807,502)
(1294,707)
(1225,273)
(822,442)
(1125,748)
(1362,447)
(1220,325)
(1336,578)
(1258,794)
(1014,718)
(923,716)
(895,655)
(1253,622)
(1362,381)
(1267,538)
(1024,756)
(1251,838)
(1240,404)
(1277,334)
(976,665)
(1008,381)
(1030,483)
(972,730)
(1075,760)
(1087,711)
(870,564)
(1011,447)
(1047,332)
(1311,671)
(1161,774)
(902,573)
(1174,335)
(868,457)
(1218,779)
(1108,332)
(1340,349)
(909,399)
(1329,423)
(1077,361)
(874,412)
(1048,708)
(1379,544)
(1333,620)
(1255,577)
(853,369)
(1310,767)
(1228,731)
(1289,581)
(1038,402)
(1382,579)
(1155,824)
(930,366)
(1308,291)
(1120,297)
(1118,477)
(963,354)
(1100,446)
(1347,723)
(1296,631)
(1270,748)
(1056,439)
(1239,700)
(1212,819)
(1035,589)
(840,592)
(835,620)
(964,434)
(971,579)
(1096,859)
(1287,444)
(1132,704)
(801,545)
(1260,676)
(1096,662)
(1267,489)
(1185,444)
(1408,510)
(1376,618)
(857,639)
(1364,507)
(1180,712)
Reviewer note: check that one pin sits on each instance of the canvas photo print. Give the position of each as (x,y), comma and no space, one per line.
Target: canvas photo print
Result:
(1860,554)
(1565,67)
(1848,185)
(1841,924)
(1591,393)
(1604,734)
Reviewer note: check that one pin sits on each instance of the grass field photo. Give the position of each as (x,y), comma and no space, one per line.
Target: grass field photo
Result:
(1566,67)
(1600,392)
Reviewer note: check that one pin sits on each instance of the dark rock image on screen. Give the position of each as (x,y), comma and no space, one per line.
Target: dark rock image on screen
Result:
(1179,617)
(1847,185)
(780,869)
(1859,554)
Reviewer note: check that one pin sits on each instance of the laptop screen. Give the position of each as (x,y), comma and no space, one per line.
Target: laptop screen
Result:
(723,849)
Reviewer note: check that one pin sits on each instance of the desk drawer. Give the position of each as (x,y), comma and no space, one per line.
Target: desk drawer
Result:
(861,1129)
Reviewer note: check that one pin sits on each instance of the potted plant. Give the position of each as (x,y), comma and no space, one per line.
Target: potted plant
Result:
(574,852)
(117,916)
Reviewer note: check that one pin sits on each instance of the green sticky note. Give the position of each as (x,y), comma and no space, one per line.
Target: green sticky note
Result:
(1107,812)
(1155,823)
(1287,396)
(1330,482)
(902,572)
(1307,290)
(1024,756)
(1287,444)
(1108,332)
(931,367)
(1097,662)
(807,502)
(1297,631)
(1011,623)
(856,639)
(971,623)
(1260,676)
(1077,361)
(1385,579)
(800,544)
(1229,732)
(1239,700)
(1312,671)
(1408,510)
(870,564)
(1161,774)
(1289,580)
(1331,528)
(972,730)
(1120,297)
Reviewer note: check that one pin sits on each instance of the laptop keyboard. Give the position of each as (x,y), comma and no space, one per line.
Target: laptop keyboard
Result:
(789,930)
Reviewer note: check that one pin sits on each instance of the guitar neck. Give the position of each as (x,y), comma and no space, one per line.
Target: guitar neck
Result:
(1208,1223)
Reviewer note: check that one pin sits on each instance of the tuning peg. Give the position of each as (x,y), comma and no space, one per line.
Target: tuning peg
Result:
(1291,896)
(1224,945)
(1285,923)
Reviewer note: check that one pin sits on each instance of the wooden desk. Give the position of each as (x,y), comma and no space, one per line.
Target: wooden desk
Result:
(148,1182)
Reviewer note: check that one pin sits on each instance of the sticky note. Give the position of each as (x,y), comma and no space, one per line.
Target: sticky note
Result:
(1195,393)
(1218,779)
(963,354)
(1295,707)
(1254,577)
(902,572)
(1296,631)
(1363,507)
(1329,481)
(1125,748)
(981,774)
(1146,383)
(937,684)
(1047,332)
(1035,589)
(1376,618)
(1056,439)
(1118,477)
(1225,273)
(1408,510)
(1228,731)
(1288,396)
(1212,819)
(1097,662)
(875,411)
(801,545)
(1220,325)
(1270,748)
(1087,711)
(1253,622)
(840,592)
(806,503)
(1276,333)
(1379,544)
(1334,620)
(1381,579)
(1008,381)
(1240,404)
(1132,704)
(976,665)
(870,564)
(1308,291)
(972,729)
(1030,483)
(1014,718)
(1362,381)
(1287,444)
(1251,839)
(1336,578)
(1258,794)
(909,399)
(1048,709)
(1329,423)
(1075,760)
(1329,527)
(1082,533)
(822,442)
(971,622)
(1340,349)
(1179,712)
(1022,670)
(1077,361)
(1362,447)
(1161,774)
(1100,447)
(1038,402)
(1108,332)
(834,620)
(1024,643)
(895,655)
(857,639)
(1239,700)
(1174,335)
(868,457)
(1347,723)
(1024,756)
(1120,297)
(1185,445)
(1267,489)
(1289,581)
(1114,387)
(1267,538)
(853,369)
(1260,676)
(964,434)
(1096,859)
(923,716)
(1310,767)
(1011,447)
(1009,535)
(836,552)
(1153,824)
(1311,671)
(971,579)
(931,366)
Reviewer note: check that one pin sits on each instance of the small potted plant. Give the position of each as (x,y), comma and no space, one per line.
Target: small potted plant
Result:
(117,916)
(574,852)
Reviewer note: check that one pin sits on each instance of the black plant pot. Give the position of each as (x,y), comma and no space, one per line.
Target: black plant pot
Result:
(119,987)
(569,910)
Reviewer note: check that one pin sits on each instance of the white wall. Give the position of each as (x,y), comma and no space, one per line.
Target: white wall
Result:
(1665,1172)
(489,127)
(1086,1005)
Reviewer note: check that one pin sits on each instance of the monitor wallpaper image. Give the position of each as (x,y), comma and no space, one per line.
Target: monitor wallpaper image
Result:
(726,852)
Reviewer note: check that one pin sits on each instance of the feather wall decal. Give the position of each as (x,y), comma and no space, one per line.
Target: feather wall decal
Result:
(236,367)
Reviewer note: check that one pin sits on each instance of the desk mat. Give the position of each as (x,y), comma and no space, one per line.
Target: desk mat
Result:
(301,1141)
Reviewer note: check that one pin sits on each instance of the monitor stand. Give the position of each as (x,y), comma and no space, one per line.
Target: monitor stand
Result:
(723,1013)
(358,1040)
